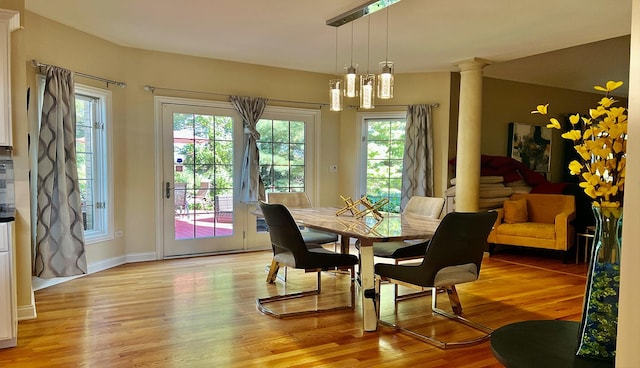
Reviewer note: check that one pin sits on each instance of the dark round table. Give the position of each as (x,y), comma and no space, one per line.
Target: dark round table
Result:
(534,344)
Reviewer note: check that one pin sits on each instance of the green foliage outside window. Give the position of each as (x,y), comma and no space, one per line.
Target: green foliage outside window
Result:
(385,150)
(282,155)
(208,153)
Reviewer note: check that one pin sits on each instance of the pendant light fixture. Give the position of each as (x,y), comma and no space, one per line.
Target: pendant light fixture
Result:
(367,81)
(385,78)
(335,86)
(350,89)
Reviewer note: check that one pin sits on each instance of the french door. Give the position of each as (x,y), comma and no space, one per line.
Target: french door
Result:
(202,152)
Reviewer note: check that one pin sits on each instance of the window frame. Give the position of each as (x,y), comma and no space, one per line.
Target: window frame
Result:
(311,120)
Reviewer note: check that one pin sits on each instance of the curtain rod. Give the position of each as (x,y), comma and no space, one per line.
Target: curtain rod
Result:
(152,89)
(358,107)
(38,64)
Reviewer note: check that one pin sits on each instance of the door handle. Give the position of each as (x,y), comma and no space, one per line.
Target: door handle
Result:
(167,192)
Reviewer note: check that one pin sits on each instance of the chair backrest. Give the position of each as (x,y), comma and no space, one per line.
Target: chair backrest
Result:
(460,239)
(425,206)
(223,203)
(203,191)
(283,230)
(290,199)
(180,195)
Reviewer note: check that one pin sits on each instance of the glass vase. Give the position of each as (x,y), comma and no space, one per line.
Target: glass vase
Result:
(599,324)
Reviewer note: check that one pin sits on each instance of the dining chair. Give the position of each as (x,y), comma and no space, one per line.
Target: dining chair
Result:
(453,256)
(399,251)
(312,238)
(290,250)
(202,195)
(180,199)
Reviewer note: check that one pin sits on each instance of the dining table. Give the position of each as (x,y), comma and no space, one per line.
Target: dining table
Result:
(367,229)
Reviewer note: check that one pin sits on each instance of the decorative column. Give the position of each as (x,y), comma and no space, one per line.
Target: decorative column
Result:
(469,136)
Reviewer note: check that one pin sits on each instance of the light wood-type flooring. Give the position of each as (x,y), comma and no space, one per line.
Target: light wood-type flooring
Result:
(201,312)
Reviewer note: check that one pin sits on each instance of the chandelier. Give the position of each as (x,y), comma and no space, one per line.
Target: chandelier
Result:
(347,86)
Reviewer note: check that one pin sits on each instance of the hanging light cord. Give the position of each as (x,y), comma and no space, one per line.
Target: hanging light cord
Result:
(336,50)
(386,56)
(368,42)
(351,44)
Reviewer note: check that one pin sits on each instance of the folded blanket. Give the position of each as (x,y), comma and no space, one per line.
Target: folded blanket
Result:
(486,192)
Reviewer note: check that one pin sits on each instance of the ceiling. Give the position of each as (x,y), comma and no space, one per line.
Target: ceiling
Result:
(423,36)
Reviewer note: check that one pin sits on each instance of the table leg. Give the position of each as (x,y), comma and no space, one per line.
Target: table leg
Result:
(345,243)
(369,318)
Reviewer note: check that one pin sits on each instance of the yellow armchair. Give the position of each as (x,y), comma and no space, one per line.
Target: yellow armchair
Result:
(547,225)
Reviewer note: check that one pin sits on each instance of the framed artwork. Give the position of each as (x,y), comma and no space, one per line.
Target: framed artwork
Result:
(531,145)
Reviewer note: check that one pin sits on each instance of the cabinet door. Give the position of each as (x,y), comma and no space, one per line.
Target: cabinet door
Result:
(6,302)
(9,21)
(4,237)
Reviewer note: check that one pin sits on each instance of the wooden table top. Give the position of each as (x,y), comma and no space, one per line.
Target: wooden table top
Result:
(393,227)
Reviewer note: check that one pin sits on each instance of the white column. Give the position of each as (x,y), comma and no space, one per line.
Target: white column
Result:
(469,136)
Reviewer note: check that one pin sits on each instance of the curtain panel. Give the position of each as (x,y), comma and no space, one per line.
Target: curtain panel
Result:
(417,178)
(251,109)
(60,248)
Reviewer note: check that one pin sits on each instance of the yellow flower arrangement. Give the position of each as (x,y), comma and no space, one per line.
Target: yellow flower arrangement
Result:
(601,142)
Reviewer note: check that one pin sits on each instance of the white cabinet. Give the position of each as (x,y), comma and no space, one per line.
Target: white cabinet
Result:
(8,301)
(9,21)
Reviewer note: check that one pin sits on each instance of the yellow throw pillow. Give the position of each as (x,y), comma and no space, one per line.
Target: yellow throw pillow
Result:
(515,211)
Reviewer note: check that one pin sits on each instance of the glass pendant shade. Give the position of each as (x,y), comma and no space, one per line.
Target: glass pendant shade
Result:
(367,91)
(350,82)
(335,95)
(385,80)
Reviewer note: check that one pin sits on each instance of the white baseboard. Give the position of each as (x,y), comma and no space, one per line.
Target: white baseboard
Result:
(26,312)
(38,283)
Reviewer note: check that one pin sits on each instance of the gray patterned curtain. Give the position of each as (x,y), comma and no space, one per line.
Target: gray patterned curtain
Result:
(59,246)
(417,178)
(250,108)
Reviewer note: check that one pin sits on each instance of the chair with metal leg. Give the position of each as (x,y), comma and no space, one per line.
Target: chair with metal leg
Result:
(453,256)
(399,251)
(290,250)
(312,238)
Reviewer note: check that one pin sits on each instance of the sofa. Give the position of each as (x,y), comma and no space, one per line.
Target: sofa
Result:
(536,220)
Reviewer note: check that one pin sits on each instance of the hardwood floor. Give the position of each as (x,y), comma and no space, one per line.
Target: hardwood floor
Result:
(200,312)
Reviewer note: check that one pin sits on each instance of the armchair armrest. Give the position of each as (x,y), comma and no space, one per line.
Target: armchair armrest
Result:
(499,218)
(562,226)
(492,235)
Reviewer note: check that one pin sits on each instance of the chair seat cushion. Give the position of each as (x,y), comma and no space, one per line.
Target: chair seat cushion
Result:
(319,258)
(528,230)
(318,237)
(400,249)
(453,275)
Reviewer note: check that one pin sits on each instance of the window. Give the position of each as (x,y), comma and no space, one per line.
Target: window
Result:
(383,147)
(282,155)
(93,156)
(92,162)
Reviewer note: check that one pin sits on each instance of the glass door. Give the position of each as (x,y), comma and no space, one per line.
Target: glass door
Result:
(201,160)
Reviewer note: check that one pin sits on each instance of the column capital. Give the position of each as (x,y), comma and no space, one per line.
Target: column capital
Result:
(473,64)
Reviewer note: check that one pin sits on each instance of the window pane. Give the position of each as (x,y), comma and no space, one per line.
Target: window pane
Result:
(297,132)
(281,176)
(224,128)
(280,154)
(296,155)
(280,131)
(265,129)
